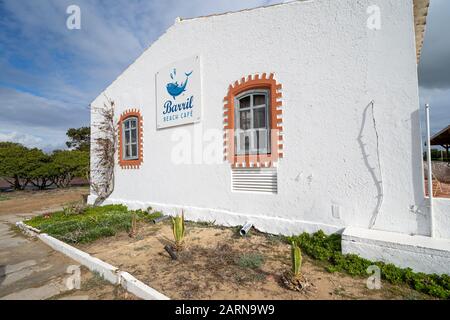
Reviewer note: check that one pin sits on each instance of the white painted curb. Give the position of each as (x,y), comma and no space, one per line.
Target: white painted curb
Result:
(138,288)
(28,230)
(107,271)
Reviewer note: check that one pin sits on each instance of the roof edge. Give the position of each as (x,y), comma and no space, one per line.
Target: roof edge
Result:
(421,8)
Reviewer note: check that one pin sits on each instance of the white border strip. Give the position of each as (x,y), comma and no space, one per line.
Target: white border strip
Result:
(107,271)
(267,224)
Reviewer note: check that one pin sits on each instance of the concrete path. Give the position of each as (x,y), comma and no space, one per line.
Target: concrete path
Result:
(29,269)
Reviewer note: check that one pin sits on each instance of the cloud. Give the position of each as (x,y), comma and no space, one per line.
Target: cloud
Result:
(434,68)
(25,139)
(439,100)
(30,141)
(37,121)
(50,74)
(24,109)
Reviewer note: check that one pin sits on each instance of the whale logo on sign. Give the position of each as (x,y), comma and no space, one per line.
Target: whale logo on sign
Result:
(175,89)
(178,93)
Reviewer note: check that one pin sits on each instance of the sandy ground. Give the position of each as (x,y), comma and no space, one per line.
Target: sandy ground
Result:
(207,268)
(20,202)
(29,269)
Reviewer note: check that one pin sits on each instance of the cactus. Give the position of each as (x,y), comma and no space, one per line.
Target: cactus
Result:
(133,230)
(296,255)
(294,279)
(178,230)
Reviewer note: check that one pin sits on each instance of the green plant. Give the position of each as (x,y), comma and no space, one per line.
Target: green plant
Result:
(296,256)
(250,260)
(74,208)
(79,138)
(91,224)
(293,279)
(133,230)
(178,230)
(328,249)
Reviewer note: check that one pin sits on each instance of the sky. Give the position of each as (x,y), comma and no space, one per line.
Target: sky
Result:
(49,74)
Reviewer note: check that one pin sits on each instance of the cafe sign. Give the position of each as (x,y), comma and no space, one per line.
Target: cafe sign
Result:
(178,100)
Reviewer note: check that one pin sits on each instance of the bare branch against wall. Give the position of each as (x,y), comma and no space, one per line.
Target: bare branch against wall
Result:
(105,145)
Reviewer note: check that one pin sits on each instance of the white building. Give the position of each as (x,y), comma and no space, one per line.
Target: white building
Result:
(319,127)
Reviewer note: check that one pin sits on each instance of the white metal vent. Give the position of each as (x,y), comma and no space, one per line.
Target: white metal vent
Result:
(263,180)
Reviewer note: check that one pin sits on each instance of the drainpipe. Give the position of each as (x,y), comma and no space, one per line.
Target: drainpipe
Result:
(430,169)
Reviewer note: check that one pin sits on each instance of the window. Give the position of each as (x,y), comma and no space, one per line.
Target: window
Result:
(130,141)
(252,122)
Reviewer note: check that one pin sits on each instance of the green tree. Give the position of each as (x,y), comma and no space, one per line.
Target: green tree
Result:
(43,175)
(79,139)
(66,165)
(18,164)
(10,153)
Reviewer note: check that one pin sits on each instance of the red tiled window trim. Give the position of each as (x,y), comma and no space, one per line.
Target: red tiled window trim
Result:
(276,128)
(135,163)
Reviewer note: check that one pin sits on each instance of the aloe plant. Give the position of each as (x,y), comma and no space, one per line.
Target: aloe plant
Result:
(133,229)
(178,230)
(296,256)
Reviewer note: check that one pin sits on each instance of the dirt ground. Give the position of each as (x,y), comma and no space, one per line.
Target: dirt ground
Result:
(29,269)
(93,287)
(46,200)
(210,266)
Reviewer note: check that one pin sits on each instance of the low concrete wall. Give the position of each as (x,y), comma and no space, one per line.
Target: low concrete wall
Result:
(441,208)
(422,254)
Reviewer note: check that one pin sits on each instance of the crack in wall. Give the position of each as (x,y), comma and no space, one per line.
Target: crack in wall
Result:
(378,182)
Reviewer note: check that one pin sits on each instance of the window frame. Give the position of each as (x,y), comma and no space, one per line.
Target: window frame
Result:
(253,150)
(246,83)
(128,147)
(130,162)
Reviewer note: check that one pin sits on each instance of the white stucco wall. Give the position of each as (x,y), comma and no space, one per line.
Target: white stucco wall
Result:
(331,67)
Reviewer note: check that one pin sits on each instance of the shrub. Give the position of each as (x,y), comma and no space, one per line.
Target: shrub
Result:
(91,224)
(250,260)
(328,249)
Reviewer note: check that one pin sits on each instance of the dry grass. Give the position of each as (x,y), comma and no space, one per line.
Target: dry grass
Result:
(215,264)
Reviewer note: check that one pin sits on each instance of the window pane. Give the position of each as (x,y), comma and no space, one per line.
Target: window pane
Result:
(127,136)
(244,102)
(133,135)
(134,150)
(261,141)
(247,144)
(127,124)
(259,100)
(244,120)
(133,123)
(127,151)
(259,118)
(242,142)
